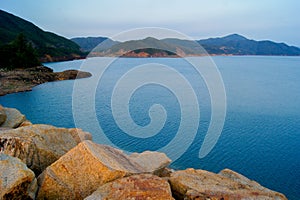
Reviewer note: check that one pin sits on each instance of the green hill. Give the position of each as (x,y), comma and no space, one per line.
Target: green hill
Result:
(49,46)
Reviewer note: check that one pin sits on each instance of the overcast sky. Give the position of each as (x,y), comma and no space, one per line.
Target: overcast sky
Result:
(276,20)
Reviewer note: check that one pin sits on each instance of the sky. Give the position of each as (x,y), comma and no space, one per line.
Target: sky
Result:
(276,20)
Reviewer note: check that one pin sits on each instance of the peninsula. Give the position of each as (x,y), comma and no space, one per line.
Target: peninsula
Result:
(21,80)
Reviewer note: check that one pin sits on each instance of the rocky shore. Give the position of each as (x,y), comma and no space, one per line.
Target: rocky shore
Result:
(45,162)
(20,80)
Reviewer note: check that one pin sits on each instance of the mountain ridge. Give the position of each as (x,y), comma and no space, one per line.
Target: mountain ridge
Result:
(52,47)
(239,45)
(233,44)
(88,43)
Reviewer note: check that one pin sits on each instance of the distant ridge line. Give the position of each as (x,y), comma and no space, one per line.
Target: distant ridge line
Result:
(233,44)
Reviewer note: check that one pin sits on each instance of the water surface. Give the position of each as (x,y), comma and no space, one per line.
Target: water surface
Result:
(261,135)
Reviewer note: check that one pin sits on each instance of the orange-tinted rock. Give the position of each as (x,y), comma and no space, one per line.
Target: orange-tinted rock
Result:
(2,115)
(25,123)
(194,184)
(150,161)
(79,135)
(72,74)
(39,145)
(252,185)
(143,186)
(82,170)
(13,118)
(16,180)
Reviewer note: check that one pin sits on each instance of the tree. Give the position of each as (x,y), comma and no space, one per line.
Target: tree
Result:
(6,56)
(18,54)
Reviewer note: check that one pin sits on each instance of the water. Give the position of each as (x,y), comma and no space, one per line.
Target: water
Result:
(261,134)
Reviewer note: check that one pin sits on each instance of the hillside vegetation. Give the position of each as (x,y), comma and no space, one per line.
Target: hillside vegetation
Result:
(48,46)
(18,54)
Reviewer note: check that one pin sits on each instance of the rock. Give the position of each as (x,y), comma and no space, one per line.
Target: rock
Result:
(25,123)
(193,184)
(143,186)
(2,115)
(234,176)
(79,135)
(16,180)
(43,69)
(165,173)
(72,74)
(39,145)
(20,80)
(82,170)
(4,129)
(151,162)
(13,118)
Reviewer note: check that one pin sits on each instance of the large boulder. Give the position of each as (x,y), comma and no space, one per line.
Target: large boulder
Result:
(40,145)
(151,162)
(143,186)
(82,170)
(13,118)
(2,115)
(191,184)
(16,180)
(250,184)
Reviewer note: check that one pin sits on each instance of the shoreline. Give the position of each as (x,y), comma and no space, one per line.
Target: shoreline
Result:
(208,55)
(40,161)
(23,80)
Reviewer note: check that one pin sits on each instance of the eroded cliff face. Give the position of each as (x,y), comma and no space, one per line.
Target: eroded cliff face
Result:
(46,162)
(20,80)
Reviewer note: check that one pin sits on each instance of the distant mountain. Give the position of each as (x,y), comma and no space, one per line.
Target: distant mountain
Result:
(49,46)
(238,45)
(148,47)
(87,44)
(151,47)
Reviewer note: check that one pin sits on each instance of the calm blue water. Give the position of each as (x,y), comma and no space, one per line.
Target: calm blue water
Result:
(261,135)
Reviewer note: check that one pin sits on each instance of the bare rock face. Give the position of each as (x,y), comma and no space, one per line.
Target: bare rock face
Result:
(191,184)
(16,180)
(150,161)
(82,170)
(143,186)
(13,118)
(40,145)
(2,115)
